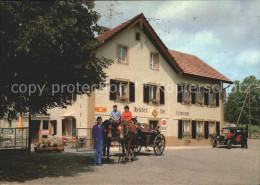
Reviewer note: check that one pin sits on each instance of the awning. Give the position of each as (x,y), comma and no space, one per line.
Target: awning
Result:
(70,114)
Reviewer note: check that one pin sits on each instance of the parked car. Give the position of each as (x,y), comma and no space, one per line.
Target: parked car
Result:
(230,136)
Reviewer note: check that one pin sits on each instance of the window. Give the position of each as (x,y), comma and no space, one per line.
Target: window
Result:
(185,94)
(199,97)
(137,36)
(186,129)
(211,127)
(199,125)
(53,127)
(121,89)
(121,54)
(154,62)
(45,124)
(211,99)
(152,92)
(69,127)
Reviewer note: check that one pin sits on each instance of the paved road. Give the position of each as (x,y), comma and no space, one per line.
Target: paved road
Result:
(178,165)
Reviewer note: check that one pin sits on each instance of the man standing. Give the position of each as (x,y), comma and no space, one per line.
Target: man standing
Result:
(115,119)
(97,141)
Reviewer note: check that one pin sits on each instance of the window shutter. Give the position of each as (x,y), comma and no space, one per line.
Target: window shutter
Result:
(180,129)
(162,95)
(132,92)
(193,133)
(146,93)
(206,96)
(217,128)
(112,95)
(206,129)
(73,126)
(179,93)
(193,94)
(217,99)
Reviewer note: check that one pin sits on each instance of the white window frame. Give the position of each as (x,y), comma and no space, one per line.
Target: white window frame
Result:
(154,63)
(211,128)
(120,56)
(121,86)
(199,127)
(186,126)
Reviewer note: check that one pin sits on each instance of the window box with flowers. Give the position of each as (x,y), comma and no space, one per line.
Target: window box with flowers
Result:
(212,104)
(122,98)
(154,101)
(212,135)
(186,135)
(186,101)
(199,102)
(199,135)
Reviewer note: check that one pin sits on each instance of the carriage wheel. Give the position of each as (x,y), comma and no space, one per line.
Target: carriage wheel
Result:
(159,144)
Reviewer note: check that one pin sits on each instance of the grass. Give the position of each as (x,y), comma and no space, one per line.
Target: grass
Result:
(254,128)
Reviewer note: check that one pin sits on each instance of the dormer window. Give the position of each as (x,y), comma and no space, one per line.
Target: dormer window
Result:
(137,36)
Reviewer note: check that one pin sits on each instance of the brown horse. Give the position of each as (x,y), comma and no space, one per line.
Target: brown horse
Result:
(127,139)
(107,138)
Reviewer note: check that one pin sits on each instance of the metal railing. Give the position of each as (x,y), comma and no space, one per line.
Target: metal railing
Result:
(14,138)
(84,139)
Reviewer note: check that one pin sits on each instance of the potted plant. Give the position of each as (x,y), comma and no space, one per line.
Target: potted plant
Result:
(154,101)
(186,100)
(199,102)
(186,134)
(199,135)
(122,98)
(212,104)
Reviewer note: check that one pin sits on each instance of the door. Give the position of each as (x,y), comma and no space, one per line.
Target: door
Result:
(154,122)
(35,130)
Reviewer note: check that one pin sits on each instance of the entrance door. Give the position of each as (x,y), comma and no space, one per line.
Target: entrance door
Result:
(35,130)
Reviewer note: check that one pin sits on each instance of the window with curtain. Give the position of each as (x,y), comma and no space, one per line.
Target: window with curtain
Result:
(211,127)
(152,92)
(186,128)
(121,54)
(199,127)
(121,89)
(154,61)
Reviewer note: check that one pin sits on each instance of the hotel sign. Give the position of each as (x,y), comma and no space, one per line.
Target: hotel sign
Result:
(100,109)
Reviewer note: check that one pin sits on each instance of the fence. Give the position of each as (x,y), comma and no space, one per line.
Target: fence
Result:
(14,138)
(84,137)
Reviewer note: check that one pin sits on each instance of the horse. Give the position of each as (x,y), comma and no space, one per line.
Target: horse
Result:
(128,140)
(107,138)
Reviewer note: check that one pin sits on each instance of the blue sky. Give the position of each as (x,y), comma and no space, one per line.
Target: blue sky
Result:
(224,34)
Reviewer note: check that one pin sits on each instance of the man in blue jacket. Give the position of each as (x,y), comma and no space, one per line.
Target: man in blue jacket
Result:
(97,141)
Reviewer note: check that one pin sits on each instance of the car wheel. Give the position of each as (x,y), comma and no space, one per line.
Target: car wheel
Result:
(214,144)
(229,144)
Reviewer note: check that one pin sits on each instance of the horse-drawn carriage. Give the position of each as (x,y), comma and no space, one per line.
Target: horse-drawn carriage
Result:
(131,139)
(156,140)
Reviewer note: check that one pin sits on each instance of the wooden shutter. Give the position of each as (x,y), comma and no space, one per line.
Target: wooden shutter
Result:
(179,93)
(180,129)
(162,95)
(206,96)
(132,92)
(206,129)
(74,128)
(217,128)
(217,99)
(146,93)
(193,94)
(193,127)
(112,95)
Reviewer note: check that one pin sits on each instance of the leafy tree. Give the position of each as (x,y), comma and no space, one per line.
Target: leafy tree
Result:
(236,98)
(46,43)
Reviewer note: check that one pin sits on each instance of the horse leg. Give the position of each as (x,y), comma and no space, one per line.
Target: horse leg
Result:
(108,149)
(129,146)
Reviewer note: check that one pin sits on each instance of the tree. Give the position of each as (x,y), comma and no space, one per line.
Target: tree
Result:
(236,98)
(47,44)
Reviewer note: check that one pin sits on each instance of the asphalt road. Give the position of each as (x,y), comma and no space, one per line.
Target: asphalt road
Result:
(178,165)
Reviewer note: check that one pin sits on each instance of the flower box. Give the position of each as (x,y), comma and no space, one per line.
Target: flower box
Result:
(122,98)
(199,102)
(199,135)
(186,101)
(186,135)
(154,101)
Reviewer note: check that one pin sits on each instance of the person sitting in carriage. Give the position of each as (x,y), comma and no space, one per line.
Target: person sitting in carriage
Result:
(115,117)
(149,133)
(127,117)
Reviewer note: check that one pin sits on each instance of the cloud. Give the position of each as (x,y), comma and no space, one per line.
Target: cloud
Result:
(224,34)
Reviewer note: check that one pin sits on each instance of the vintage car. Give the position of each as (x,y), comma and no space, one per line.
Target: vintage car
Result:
(230,136)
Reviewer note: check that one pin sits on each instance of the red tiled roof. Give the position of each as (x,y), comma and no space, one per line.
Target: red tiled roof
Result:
(193,65)
(185,64)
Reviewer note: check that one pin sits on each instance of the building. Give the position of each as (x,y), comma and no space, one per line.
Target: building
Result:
(176,91)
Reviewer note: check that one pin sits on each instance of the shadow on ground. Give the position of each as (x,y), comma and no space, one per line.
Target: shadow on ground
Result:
(28,167)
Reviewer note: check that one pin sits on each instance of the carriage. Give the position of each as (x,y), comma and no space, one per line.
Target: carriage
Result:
(156,141)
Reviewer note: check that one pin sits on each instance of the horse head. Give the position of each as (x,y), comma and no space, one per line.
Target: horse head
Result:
(121,128)
(108,128)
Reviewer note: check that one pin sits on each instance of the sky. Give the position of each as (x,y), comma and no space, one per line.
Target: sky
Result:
(224,34)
